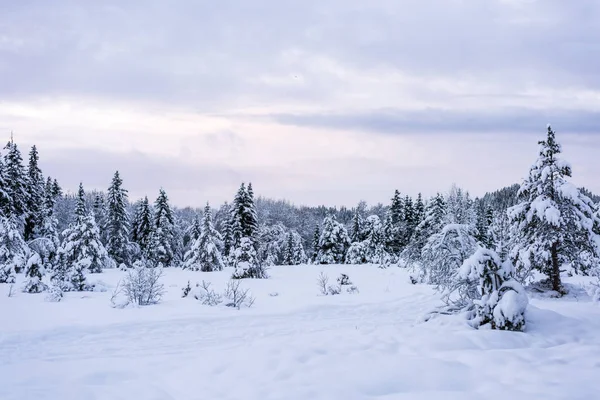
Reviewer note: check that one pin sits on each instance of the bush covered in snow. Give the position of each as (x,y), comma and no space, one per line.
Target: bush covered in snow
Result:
(13,251)
(246,263)
(237,295)
(503,301)
(141,286)
(34,272)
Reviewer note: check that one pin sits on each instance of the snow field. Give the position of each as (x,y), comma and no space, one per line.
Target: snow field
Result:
(293,345)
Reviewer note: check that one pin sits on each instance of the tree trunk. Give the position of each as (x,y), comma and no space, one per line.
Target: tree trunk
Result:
(555,271)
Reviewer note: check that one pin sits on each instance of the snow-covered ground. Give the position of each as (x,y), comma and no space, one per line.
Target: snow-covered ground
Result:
(293,345)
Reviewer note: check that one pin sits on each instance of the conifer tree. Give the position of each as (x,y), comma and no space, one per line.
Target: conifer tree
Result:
(333,242)
(35,196)
(553,222)
(81,251)
(356,231)
(16,184)
(13,251)
(117,221)
(142,225)
(204,254)
(432,223)
(162,242)
(5,201)
(419,210)
(315,243)
(245,261)
(49,197)
(288,253)
(397,208)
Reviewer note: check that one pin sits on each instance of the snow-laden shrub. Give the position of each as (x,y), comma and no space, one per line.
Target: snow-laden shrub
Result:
(322,282)
(444,254)
(357,253)
(246,263)
(206,294)
(344,280)
(13,251)
(34,272)
(503,300)
(237,296)
(141,286)
(55,294)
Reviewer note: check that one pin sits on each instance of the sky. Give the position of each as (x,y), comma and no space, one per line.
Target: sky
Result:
(315,101)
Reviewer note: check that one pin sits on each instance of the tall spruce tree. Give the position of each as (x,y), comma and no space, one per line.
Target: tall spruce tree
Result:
(333,242)
(162,244)
(35,196)
(315,243)
(117,221)
(142,225)
(357,227)
(14,252)
(553,222)
(16,184)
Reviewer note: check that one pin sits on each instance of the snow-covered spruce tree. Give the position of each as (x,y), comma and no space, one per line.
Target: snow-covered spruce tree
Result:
(293,253)
(13,251)
(246,262)
(204,254)
(195,229)
(459,207)
(395,225)
(142,225)
(272,241)
(484,219)
(315,244)
(16,184)
(81,250)
(553,223)
(244,221)
(333,242)
(35,196)
(444,254)
(409,221)
(34,274)
(357,228)
(501,300)
(44,254)
(432,223)
(373,248)
(161,244)
(117,222)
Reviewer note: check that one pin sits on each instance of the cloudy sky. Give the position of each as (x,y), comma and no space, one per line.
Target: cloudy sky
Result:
(316,101)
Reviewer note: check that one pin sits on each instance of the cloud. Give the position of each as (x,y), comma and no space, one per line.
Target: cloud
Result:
(392,121)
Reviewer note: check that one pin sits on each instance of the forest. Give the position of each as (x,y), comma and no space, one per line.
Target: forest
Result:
(477,252)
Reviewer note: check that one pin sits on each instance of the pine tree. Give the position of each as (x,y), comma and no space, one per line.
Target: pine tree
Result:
(227,237)
(204,254)
(162,242)
(5,200)
(409,219)
(248,214)
(16,184)
(142,225)
(35,196)
(81,251)
(333,242)
(553,223)
(397,208)
(419,210)
(49,197)
(100,215)
(117,222)
(13,251)
(483,222)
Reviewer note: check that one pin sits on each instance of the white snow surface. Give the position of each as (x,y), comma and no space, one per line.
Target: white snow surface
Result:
(292,344)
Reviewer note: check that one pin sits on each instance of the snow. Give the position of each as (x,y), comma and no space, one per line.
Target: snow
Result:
(296,345)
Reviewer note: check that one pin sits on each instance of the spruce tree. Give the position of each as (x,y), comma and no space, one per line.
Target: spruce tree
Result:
(117,222)
(315,243)
(553,222)
(356,231)
(432,223)
(5,201)
(246,263)
(35,196)
(288,253)
(204,254)
(397,208)
(333,242)
(142,225)
(16,184)
(162,243)
(81,251)
(13,251)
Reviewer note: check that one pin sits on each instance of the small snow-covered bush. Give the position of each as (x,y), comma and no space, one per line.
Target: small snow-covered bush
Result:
(322,282)
(141,286)
(34,271)
(55,294)
(334,289)
(237,296)
(344,280)
(352,289)
(186,290)
(246,262)
(503,300)
(206,294)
